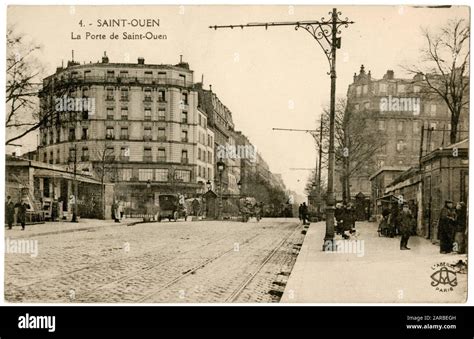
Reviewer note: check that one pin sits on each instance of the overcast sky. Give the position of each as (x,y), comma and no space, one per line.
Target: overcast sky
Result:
(273,78)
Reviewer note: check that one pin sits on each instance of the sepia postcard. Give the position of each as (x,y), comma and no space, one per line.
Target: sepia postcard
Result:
(236,154)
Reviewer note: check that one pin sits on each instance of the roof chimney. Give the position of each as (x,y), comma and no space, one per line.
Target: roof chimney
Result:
(389,75)
(210,87)
(141,60)
(105,58)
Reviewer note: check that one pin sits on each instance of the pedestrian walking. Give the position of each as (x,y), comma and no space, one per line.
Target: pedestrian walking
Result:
(394,220)
(406,222)
(460,228)
(304,213)
(115,211)
(22,206)
(347,221)
(384,226)
(300,212)
(339,216)
(54,210)
(446,225)
(9,212)
(351,216)
(120,210)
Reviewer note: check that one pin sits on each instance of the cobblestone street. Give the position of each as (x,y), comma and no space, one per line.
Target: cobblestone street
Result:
(201,261)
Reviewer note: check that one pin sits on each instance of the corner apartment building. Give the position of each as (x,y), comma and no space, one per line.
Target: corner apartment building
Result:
(140,126)
(400,110)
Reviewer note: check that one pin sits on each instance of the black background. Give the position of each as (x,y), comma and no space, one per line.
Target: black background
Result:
(147,321)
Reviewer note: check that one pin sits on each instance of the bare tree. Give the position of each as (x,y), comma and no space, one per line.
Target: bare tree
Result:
(444,71)
(106,168)
(357,141)
(22,87)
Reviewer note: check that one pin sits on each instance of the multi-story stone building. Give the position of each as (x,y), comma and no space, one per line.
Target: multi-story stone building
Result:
(139,126)
(221,122)
(402,113)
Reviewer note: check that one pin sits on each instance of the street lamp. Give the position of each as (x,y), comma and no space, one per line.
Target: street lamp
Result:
(74,161)
(220,170)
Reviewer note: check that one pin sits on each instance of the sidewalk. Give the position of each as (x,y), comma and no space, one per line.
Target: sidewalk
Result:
(382,274)
(64,227)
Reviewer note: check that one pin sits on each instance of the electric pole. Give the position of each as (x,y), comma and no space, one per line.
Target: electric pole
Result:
(327,35)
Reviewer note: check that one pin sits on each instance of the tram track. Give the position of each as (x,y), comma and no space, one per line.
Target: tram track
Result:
(236,293)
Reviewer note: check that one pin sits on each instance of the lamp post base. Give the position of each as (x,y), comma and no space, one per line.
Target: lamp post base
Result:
(329,245)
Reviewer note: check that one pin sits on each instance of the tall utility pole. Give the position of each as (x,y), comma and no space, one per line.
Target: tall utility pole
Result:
(326,33)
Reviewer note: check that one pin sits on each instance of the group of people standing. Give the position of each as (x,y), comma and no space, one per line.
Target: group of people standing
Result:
(345,219)
(398,220)
(452,227)
(21,208)
(303,213)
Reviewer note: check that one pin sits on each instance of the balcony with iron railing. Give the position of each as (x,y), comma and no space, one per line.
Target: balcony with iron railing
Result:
(79,80)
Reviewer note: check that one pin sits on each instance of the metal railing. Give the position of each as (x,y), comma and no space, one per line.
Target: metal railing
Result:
(121,80)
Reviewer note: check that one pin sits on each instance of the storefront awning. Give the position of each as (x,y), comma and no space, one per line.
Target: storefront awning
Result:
(47,173)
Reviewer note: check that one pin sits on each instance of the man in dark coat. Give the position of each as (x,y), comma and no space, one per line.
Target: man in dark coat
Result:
(339,216)
(304,213)
(460,229)
(300,212)
(446,225)
(394,220)
(9,212)
(21,214)
(406,221)
(348,221)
